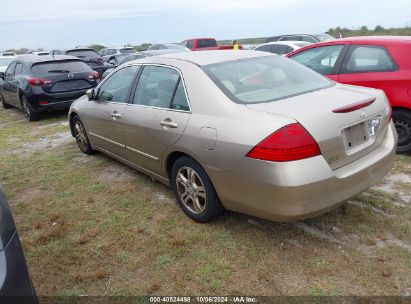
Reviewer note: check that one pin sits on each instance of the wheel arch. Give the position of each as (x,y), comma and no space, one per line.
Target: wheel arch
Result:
(71,118)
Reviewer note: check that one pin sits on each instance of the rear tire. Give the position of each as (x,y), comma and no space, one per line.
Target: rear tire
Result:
(194,191)
(80,134)
(402,122)
(4,104)
(27,111)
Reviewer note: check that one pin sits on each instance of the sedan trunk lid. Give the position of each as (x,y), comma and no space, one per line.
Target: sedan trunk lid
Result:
(343,130)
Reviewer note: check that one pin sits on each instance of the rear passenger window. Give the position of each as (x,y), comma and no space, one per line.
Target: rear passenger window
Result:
(19,68)
(160,87)
(180,99)
(368,59)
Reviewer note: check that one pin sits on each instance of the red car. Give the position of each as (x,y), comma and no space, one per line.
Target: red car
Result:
(205,44)
(378,62)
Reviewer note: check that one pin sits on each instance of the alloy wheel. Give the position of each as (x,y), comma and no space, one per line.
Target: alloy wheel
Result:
(191,190)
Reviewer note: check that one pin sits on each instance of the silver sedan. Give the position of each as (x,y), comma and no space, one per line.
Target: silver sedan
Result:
(244,131)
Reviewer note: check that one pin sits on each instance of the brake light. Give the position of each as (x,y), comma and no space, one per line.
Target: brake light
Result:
(94,75)
(289,143)
(39,82)
(43,102)
(355,106)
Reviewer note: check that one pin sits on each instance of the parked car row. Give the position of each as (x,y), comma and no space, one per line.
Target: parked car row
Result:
(376,62)
(44,83)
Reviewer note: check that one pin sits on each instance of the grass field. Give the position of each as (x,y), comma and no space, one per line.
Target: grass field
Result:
(91,226)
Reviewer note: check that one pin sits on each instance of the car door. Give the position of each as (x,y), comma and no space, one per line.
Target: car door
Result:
(103,119)
(370,66)
(8,84)
(156,117)
(15,85)
(325,60)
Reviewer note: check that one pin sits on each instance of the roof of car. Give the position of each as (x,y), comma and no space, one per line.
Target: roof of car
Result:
(210,57)
(371,39)
(291,43)
(34,58)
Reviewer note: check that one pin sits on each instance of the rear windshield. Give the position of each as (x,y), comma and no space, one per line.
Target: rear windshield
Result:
(127,51)
(73,66)
(83,53)
(264,79)
(204,43)
(324,37)
(302,44)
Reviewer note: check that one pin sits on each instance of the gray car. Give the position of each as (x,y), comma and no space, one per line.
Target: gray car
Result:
(15,283)
(245,131)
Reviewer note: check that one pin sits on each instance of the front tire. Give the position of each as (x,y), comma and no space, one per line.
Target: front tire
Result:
(80,134)
(402,122)
(27,111)
(4,104)
(194,191)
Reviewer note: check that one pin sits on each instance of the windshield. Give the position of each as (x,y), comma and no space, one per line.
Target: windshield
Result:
(73,66)
(324,37)
(6,61)
(83,53)
(264,79)
(127,51)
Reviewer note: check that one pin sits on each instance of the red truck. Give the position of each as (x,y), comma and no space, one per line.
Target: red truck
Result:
(205,44)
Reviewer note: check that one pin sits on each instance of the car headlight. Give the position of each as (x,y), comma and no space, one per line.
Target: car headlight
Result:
(7,227)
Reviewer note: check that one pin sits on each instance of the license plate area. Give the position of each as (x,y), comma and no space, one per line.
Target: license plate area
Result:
(355,136)
(360,136)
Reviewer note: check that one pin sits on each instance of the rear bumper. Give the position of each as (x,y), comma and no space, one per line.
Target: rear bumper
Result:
(14,276)
(56,101)
(300,189)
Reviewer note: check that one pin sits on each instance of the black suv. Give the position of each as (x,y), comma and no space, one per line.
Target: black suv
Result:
(44,83)
(89,56)
(15,283)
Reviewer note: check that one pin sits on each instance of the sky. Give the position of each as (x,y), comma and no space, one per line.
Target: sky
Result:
(54,24)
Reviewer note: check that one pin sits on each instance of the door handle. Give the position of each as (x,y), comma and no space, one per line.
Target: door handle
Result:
(115,115)
(168,123)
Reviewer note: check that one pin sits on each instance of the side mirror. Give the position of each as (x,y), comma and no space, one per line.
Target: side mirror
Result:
(90,94)
(2,75)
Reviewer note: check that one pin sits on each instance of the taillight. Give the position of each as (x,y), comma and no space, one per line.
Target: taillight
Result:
(94,75)
(99,59)
(289,143)
(39,82)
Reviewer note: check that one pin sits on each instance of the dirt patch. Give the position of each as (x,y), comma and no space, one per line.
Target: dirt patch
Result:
(56,124)
(393,184)
(45,143)
(366,206)
(116,173)
(314,231)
